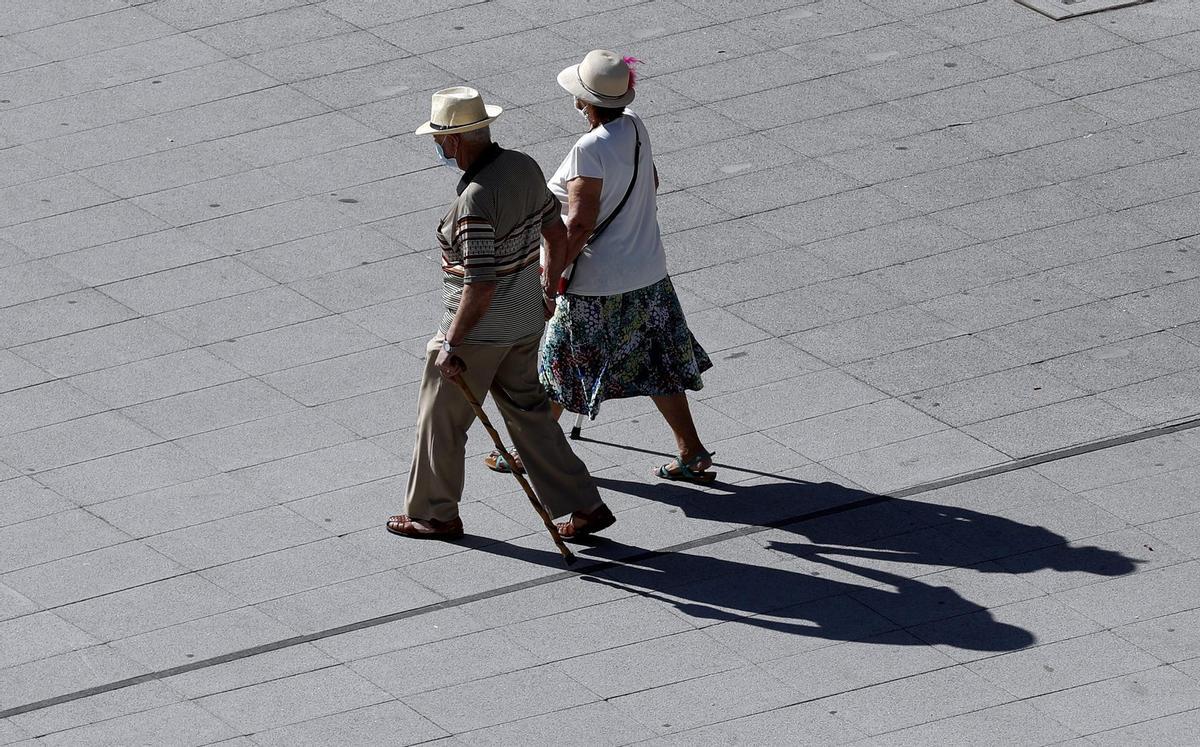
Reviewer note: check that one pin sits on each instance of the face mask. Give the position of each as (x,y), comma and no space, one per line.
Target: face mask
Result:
(449,163)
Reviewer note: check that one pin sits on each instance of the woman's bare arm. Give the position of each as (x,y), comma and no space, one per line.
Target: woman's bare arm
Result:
(583,209)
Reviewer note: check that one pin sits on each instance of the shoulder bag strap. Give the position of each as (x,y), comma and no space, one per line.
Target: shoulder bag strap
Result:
(637,157)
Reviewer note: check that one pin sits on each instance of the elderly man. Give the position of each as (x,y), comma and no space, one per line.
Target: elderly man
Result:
(490,240)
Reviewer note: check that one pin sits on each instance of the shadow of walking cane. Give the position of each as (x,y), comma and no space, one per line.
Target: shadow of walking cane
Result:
(567,555)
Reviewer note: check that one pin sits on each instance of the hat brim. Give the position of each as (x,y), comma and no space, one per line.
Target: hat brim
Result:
(493,112)
(569,80)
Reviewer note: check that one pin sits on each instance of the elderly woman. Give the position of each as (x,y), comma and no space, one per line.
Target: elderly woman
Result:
(617,330)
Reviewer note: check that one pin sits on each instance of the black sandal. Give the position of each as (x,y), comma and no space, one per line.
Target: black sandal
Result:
(686,471)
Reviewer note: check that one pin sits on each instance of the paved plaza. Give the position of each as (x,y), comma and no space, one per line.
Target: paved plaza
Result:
(945,255)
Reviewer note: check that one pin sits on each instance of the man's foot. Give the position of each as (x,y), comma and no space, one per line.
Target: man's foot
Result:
(407,526)
(497,463)
(583,523)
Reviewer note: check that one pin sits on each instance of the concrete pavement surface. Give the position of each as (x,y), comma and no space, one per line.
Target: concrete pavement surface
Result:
(945,255)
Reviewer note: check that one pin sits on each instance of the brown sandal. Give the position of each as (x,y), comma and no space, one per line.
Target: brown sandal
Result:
(406,526)
(594,521)
(497,463)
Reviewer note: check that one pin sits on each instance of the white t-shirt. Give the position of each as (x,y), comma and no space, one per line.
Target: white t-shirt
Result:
(629,254)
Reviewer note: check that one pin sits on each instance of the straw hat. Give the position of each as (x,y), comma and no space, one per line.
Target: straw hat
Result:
(602,79)
(458,109)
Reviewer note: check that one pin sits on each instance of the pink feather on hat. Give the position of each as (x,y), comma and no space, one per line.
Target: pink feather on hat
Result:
(631,61)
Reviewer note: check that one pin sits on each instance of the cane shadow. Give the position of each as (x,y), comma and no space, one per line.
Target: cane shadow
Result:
(848,590)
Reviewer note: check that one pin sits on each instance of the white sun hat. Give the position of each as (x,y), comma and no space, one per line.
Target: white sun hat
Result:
(458,109)
(602,79)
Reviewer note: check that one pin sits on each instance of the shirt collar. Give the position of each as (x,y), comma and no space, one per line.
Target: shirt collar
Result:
(485,159)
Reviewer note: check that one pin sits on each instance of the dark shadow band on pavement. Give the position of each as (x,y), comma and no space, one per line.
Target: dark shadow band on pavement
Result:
(639,559)
(865,569)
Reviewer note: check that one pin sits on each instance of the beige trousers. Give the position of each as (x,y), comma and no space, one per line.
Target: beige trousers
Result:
(435,482)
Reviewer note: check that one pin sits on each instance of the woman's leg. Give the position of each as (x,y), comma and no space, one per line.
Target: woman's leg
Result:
(674,407)
(556,410)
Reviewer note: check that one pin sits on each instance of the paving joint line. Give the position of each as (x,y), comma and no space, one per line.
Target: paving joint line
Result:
(1032,274)
(67,377)
(962,664)
(1143,721)
(1016,698)
(744,531)
(966,665)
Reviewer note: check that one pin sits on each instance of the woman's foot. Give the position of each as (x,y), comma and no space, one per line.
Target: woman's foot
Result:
(497,463)
(688,470)
(583,523)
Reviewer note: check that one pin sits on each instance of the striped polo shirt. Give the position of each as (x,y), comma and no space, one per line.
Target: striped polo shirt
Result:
(493,232)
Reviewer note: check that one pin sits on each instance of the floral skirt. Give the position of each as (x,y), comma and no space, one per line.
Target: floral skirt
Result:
(631,344)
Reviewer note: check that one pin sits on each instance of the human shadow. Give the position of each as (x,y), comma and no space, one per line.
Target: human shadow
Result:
(837,520)
(811,588)
(787,599)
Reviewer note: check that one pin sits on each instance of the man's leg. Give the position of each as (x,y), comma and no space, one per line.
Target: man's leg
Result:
(558,476)
(435,480)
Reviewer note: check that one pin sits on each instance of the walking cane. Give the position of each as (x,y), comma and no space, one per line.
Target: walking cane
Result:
(568,556)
